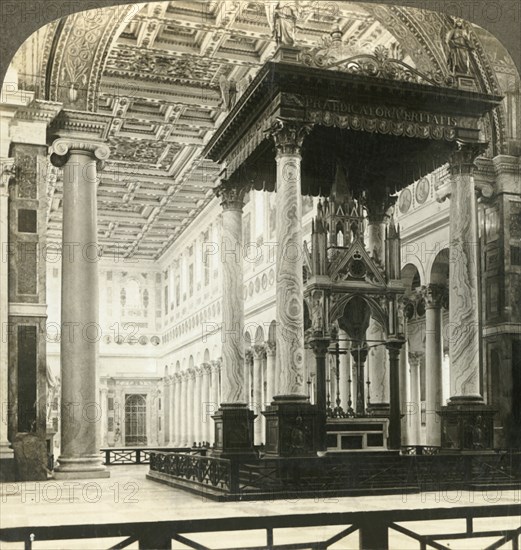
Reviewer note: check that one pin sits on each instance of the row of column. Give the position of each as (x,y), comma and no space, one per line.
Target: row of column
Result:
(191,398)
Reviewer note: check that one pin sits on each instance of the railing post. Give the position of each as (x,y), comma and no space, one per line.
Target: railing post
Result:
(374,535)
(107,457)
(138,456)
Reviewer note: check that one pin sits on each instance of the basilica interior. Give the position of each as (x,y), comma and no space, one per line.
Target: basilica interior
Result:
(256,235)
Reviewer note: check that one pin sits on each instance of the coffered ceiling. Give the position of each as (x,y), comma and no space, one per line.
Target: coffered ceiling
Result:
(158,82)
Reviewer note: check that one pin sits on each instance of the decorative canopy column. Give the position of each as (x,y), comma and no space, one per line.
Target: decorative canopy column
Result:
(233,420)
(290,413)
(232,374)
(377,365)
(433,296)
(466,421)
(288,137)
(79,456)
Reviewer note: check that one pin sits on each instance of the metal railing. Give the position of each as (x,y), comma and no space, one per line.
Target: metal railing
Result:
(134,455)
(373,527)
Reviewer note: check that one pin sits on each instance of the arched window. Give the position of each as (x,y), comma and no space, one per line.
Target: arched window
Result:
(136,420)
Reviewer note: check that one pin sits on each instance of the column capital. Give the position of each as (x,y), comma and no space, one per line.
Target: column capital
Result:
(231,195)
(7,171)
(394,347)
(190,373)
(434,295)
(377,205)
(289,135)
(206,367)
(62,147)
(319,346)
(415,358)
(463,157)
(199,371)
(216,365)
(271,349)
(259,351)
(177,377)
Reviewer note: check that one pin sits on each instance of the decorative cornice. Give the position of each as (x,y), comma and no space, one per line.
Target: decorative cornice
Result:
(80,125)
(39,111)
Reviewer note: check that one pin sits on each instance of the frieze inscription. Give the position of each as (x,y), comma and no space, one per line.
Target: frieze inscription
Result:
(397,114)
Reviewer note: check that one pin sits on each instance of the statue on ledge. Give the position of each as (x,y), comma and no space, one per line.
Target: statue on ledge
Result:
(459,47)
(282,18)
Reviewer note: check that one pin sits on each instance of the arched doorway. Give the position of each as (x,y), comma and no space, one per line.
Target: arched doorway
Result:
(136,420)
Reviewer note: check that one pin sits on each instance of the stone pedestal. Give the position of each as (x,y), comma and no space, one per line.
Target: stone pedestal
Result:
(467,426)
(292,428)
(234,432)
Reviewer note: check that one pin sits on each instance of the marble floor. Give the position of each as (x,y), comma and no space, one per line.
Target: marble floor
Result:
(127,496)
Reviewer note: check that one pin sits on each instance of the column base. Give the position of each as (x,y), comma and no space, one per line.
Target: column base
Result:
(80,468)
(292,427)
(234,432)
(7,464)
(467,424)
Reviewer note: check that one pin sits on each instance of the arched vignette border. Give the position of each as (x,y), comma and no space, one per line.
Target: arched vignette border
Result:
(499,17)
(75,55)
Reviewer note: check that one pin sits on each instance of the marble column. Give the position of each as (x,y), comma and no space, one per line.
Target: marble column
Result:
(198,405)
(467,423)
(320,347)
(176,438)
(359,357)
(232,374)
(463,278)
(191,407)
(79,456)
(377,364)
(233,420)
(345,367)
(215,390)
(395,437)
(289,292)
(257,404)
(405,394)
(290,411)
(184,437)
(271,351)
(104,416)
(433,295)
(166,406)
(170,411)
(248,376)
(6,453)
(414,416)
(207,403)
